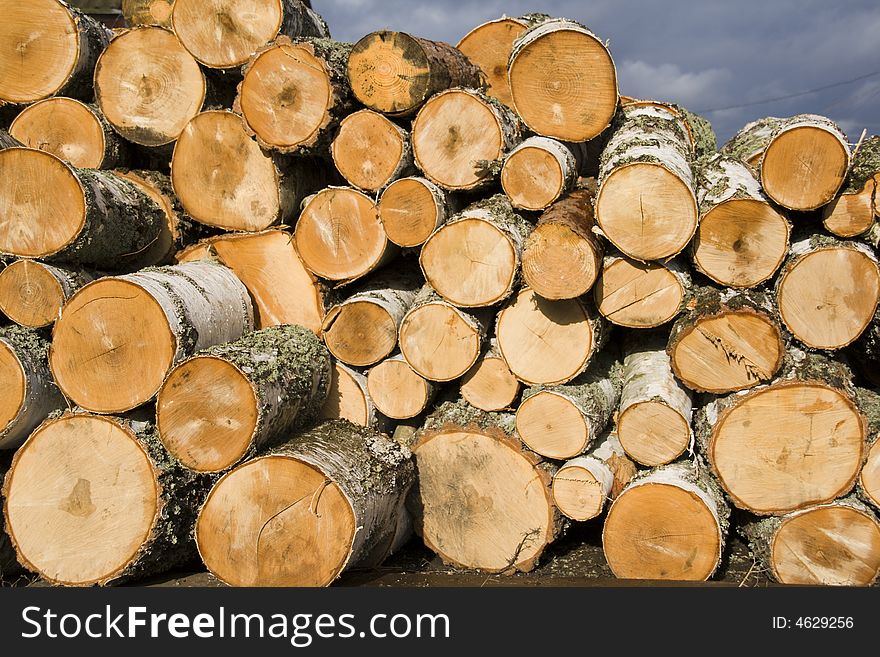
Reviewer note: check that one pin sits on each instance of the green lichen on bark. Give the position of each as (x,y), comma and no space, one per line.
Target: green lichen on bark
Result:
(703,135)
(27,340)
(461,414)
(865,165)
(752,139)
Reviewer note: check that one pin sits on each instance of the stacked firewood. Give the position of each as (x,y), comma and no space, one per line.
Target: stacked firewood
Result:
(276,301)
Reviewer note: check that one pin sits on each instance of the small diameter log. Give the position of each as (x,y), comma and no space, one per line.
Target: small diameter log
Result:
(561,422)
(654,420)
(219,407)
(147,12)
(148,86)
(49,49)
(329,499)
(32,293)
(582,485)
(339,235)
(223,178)
(490,385)
(482,500)
(29,394)
(803,160)
(539,171)
(227,32)
(78,520)
(80,216)
(395,73)
(489,45)
(397,390)
(836,544)
(797,442)
(362,329)
(349,399)
(118,338)
(641,294)
(294,94)
(548,342)
(413,208)
(72,131)
(283,290)
(857,208)
(730,340)
(646,204)
(474,259)
(562,258)
(371,151)
(670,523)
(440,341)
(827,291)
(460,137)
(563,81)
(742,239)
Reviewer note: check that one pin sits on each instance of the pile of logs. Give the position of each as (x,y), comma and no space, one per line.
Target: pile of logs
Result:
(274,301)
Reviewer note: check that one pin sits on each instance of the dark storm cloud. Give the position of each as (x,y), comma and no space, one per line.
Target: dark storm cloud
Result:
(704,55)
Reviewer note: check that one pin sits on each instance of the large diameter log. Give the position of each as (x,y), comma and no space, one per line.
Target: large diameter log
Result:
(670,523)
(118,338)
(796,442)
(397,390)
(223,178)
(562,257)
(49,49)
(441,342)
(395,73)
(827,291)
(490,385)
(835,544)
(548,342)
(489,45)
(78,520)
(641,294)
(460,137)
(474,259)
(654,420)
(339,235)
(561,422)
(742,239)
(730,340)
(362,329)
(222,405)
(147,12)
(72,131)
(411,209)
(482,500)
(371,151)
(329,499)
(563,81)
(32,293)
(857,208)
(803,160)
(227,32)
(29,394)
(646,204)
(293,94)
(539,171)
(349,399)
(148,86)
(84,216)
(582,485)
(283,290)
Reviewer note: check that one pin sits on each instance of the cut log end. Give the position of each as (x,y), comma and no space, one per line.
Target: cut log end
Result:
(148,86)
(439,341)
(64,127)
(489,46)
(14,382)
(410,211)
(360,333)
(578,493)
(638,295)
(563,83)
(490,385)
(532,178)
(558,263)
(30,295)
(370,151)
(397,391)
(207,414)
(348,398)
(652,433)
(869,480)
(741,243)
(63,503)
(552,426)
(147,12)
(851,215)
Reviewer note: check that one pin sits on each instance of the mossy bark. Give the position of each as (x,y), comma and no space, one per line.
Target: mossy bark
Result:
(749,143)
(865,165)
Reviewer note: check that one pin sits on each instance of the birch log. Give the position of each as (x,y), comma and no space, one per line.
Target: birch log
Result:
(397,390)
(32,293)
(371,151)
(147,12)
(540,171)
(857,207)
(349,399)
(118,337)
(490,385)
(411,209)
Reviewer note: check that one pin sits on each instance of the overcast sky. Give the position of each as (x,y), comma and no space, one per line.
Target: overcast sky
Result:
(705,55)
